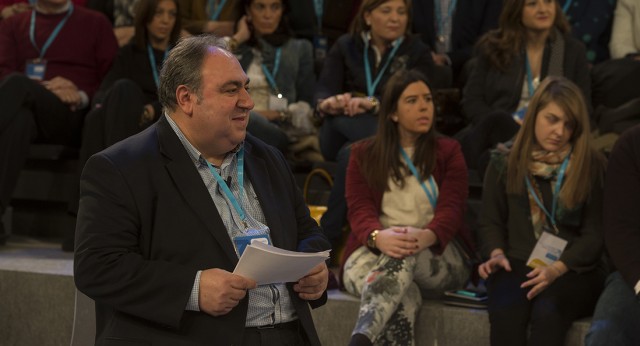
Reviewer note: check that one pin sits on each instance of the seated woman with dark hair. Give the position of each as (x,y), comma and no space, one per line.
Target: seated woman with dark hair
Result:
(541,223)
(532,42)
(282,80)
(353,77)
(406,192)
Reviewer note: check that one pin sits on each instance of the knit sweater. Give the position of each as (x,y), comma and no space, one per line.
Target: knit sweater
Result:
(82,52)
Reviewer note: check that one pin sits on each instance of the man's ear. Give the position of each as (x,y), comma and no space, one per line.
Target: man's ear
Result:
(186,99)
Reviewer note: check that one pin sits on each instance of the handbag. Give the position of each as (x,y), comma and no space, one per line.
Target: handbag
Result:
(316,209)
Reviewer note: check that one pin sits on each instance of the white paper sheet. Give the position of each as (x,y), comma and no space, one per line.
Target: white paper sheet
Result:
(267,264)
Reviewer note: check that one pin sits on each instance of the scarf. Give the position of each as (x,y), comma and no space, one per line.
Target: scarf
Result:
(545,164)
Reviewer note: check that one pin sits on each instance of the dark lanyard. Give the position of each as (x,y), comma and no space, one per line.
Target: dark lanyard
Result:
(439,18)
(433,197)
(154,66)
(371,86)
(566,6)
(225,187)
(215,12)
(52,36)
(556,193)
(270,75)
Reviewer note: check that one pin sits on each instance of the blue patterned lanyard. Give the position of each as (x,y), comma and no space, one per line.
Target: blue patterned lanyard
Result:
(556,193)
(371,87)
(271,75)
(318,6)
(154,66)
(439,18)
(52,36)
(433,197)
(529,75)
(225,187)
(215,11)
(566,6)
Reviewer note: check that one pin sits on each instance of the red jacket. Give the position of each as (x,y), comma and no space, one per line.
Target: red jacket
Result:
(451,176)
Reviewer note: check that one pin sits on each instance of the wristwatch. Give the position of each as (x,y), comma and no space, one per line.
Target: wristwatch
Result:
(371,240)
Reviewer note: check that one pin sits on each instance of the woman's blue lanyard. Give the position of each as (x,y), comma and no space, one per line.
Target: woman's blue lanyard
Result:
(271,75)
(154,66)
(441,20)
(432,199)
(318,6)
(529,75)
(566,6)
(215,11)
(371,87)
(52,36)
(556,193)
(227,191)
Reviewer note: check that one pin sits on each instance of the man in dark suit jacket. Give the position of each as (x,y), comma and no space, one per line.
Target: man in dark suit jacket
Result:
(157,235)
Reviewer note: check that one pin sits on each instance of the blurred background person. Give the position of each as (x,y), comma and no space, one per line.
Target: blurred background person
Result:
(532,42)
(282,79)
(210,16)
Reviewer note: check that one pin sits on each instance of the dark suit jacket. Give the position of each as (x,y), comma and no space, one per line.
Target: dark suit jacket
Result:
(147,224)
(471,19)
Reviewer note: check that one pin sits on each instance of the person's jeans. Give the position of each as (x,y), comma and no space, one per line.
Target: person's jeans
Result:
(616,320)
(336,135)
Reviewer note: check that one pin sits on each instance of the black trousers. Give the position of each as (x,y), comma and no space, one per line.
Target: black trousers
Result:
(285,334)
(117,118)
(549,315)
(494,128)
(29,112)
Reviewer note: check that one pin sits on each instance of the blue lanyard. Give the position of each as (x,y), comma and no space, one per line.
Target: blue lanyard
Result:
(432,198)
(225,187)
(154,66)
(556,193)
(318,6)
(529,75)
(215,12)
(271,75)
(371,87)
(441,20)
(565,8)
(52,36)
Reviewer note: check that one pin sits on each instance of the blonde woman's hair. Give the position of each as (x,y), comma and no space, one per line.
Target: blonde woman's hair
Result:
(586,163)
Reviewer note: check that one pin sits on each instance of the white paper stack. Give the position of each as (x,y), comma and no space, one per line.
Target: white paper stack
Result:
(268,264)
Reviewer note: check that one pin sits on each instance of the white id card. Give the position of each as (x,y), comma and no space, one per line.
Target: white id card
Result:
(548,250)
(278,103)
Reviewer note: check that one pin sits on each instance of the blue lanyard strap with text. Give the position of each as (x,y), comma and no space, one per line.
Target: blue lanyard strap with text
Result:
(52,36)
(441,20)
(215,10)
(556,193)
(271,75)
(318,6)
(154,66)
(432,199)
(225,187)
(529,75)
(371,87)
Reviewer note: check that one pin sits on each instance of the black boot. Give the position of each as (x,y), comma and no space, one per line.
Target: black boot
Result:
(3,233)
(360,340)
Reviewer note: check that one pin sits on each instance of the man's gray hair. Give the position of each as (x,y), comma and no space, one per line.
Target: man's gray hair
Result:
(183,67)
